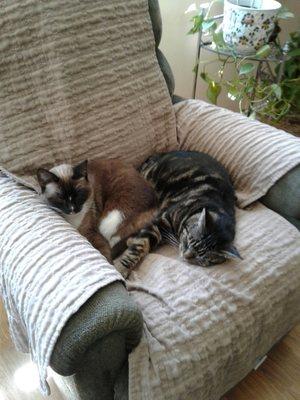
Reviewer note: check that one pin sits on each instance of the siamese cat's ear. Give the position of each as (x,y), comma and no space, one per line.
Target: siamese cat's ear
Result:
(81,170)
(231,253)
(44,177)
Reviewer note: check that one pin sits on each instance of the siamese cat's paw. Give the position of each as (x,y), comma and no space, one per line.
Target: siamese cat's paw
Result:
(125,272)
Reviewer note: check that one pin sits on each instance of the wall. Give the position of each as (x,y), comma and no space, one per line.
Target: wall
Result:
(180,48)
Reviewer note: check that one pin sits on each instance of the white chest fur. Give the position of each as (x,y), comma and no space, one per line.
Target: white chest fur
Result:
(110,224)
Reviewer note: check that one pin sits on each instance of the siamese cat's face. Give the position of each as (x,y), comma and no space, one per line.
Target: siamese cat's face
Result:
(65,188)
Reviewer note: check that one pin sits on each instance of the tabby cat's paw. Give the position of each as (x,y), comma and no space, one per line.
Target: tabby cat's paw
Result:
(125,272)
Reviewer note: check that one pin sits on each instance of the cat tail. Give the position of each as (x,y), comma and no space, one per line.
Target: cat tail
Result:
(140,244)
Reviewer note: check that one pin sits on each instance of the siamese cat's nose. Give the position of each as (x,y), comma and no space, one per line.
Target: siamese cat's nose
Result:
(70,209)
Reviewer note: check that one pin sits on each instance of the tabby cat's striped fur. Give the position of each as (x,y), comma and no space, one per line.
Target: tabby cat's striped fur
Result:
(196,209)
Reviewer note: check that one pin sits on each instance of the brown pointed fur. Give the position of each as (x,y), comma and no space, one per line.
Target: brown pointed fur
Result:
(117,185)
(110,184)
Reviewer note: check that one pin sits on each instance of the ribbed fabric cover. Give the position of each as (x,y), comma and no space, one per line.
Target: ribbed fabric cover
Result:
(80,79)
(205,327)
(256,155)
(47,271)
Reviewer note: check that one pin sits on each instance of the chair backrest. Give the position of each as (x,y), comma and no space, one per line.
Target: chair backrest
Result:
(80,79)
(155,16)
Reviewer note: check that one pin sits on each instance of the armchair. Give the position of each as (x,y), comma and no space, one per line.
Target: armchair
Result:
(82,90)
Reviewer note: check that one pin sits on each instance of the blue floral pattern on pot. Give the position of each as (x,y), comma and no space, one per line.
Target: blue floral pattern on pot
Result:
(246,29)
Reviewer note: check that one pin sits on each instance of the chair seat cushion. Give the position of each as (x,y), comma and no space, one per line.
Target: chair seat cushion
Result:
(205,328)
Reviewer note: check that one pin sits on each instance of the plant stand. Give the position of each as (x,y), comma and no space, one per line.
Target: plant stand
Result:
(263,67)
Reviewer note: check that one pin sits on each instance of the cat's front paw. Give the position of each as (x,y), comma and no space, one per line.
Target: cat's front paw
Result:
(125,272)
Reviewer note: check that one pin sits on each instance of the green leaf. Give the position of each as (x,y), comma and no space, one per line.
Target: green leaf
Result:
(213,91)
(195,69)
(198,20)
(252,116)
(218,39)
(294,53)
(264,51)
(291,69)
(205,77)
(233,93)
(193,30)
(277,90)
(209,23)
(246,68)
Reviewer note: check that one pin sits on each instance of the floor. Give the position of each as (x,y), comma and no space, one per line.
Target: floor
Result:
(278,378)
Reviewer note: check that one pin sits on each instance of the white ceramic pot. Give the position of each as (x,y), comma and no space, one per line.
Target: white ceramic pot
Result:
(248,24)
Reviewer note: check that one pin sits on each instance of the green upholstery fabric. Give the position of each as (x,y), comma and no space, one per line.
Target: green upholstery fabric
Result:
(292,220)
(110,310)
(284,196)
(177,99)
(166,70)
(101,366)
(121,384)
(155,17)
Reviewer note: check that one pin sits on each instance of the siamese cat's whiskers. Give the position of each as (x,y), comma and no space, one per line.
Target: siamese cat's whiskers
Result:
(56,209)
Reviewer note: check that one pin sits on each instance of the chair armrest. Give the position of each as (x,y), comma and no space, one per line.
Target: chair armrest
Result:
(284,196)
(109,310)
(96,341)
(256,155)
(51,280)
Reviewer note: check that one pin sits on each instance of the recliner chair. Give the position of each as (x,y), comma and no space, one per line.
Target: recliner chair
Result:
(95,343)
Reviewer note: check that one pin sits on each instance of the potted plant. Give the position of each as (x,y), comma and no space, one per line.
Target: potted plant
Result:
(248,24)
(265,85)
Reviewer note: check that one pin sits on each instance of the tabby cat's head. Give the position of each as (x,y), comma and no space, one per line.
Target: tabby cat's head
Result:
(65,188)
(207,239)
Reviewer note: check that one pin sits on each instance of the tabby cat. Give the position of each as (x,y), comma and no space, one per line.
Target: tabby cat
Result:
(105,199)
(196,210)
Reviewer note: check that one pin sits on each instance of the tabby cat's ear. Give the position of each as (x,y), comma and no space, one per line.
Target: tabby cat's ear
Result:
(81,170)
(202,221)
(231,252)
(44,177)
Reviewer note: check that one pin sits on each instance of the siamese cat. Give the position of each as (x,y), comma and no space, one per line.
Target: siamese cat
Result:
(106,200)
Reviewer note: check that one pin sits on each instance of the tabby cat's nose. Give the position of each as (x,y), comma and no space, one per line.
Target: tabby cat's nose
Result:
(188,254)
